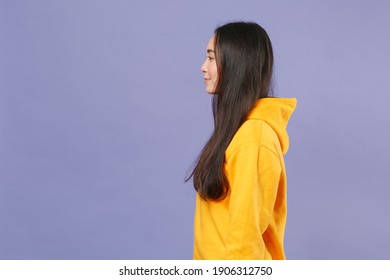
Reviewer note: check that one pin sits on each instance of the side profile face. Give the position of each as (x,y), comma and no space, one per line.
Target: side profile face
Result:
(209,68)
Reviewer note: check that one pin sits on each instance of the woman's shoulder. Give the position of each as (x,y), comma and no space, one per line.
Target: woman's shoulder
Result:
(251,133)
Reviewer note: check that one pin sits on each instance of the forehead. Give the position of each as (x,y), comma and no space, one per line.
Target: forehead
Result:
(210,45)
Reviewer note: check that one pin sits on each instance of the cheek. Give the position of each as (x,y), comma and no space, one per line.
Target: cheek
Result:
(214,73)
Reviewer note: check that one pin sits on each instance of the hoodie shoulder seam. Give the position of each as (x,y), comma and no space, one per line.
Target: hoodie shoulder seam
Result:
(258,142)
(271,150)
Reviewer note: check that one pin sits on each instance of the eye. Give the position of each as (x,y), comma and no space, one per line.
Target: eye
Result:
(210,58)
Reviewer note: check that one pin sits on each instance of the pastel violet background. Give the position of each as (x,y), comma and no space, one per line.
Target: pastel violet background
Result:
(103,109)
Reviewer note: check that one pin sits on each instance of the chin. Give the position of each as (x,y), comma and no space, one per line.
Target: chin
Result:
(210,91)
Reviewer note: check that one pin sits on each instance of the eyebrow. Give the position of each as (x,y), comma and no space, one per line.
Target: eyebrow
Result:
(210,50)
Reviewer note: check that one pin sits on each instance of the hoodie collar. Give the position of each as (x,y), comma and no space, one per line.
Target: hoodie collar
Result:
(276,112)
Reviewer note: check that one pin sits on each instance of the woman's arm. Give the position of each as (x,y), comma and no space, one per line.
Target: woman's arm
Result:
(254,172)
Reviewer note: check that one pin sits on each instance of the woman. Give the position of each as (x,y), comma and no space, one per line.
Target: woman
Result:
(240,176)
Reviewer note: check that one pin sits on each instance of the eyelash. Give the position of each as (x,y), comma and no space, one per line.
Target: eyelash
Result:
(210,58)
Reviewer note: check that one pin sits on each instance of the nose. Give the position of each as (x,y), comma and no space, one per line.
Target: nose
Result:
(203,67)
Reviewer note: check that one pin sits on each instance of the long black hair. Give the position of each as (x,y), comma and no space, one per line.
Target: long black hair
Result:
(244,60)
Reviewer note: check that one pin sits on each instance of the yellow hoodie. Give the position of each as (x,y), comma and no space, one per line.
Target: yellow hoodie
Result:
(249,223)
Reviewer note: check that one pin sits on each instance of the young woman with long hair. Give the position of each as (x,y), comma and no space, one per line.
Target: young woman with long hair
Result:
(240,176)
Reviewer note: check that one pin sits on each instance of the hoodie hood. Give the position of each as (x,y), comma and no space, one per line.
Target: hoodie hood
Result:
(276,112)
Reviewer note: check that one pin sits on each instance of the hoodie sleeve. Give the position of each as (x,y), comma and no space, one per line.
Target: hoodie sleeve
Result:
(253,172)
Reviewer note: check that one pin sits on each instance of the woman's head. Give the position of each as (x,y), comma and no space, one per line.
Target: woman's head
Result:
(238,71)
(239,56)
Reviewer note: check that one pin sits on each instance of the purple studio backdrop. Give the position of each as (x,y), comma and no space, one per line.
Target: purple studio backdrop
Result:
(103,110)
